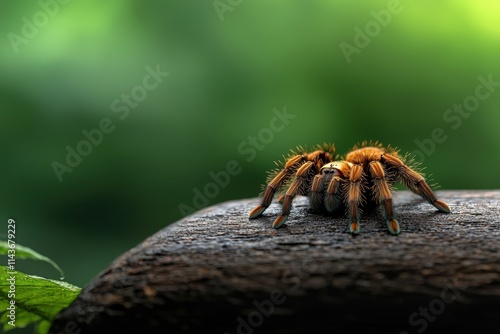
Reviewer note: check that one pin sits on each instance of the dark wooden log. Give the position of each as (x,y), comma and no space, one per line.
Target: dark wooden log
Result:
(216,271)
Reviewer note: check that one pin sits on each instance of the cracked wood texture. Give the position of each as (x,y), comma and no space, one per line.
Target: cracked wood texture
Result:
(216,271)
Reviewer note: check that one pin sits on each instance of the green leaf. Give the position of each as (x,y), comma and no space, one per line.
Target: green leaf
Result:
(27,253)
(43,327)
(37,299)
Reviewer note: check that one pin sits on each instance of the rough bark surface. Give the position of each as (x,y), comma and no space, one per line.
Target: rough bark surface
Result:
(216,271)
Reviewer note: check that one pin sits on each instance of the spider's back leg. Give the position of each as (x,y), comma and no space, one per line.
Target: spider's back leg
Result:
(414,181)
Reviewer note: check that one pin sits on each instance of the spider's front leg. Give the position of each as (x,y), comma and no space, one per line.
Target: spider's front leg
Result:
(331,174)
(276,183)
(298,186)
(381,191)
(316,196)
(355,178)
(333,198)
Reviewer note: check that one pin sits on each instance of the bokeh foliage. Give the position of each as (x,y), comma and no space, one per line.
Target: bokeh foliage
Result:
(225,79)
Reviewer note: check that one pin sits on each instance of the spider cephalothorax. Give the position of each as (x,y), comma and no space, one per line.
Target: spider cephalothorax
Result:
(362,180)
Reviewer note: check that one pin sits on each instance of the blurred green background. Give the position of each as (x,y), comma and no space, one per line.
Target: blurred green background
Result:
(229,68)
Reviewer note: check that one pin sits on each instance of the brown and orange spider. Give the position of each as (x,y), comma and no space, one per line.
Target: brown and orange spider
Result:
(363,180)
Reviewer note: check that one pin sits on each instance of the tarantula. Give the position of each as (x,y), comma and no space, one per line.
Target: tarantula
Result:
(362,180)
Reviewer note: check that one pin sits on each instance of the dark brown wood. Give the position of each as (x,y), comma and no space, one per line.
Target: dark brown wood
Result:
(218,272)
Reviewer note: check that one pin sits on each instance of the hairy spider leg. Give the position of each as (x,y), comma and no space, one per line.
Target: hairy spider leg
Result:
(281,198)
(316,196)
(414,181)
(333,198)
(276,183)
(355,178)
(382,193)
(318,158)
(298,186)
